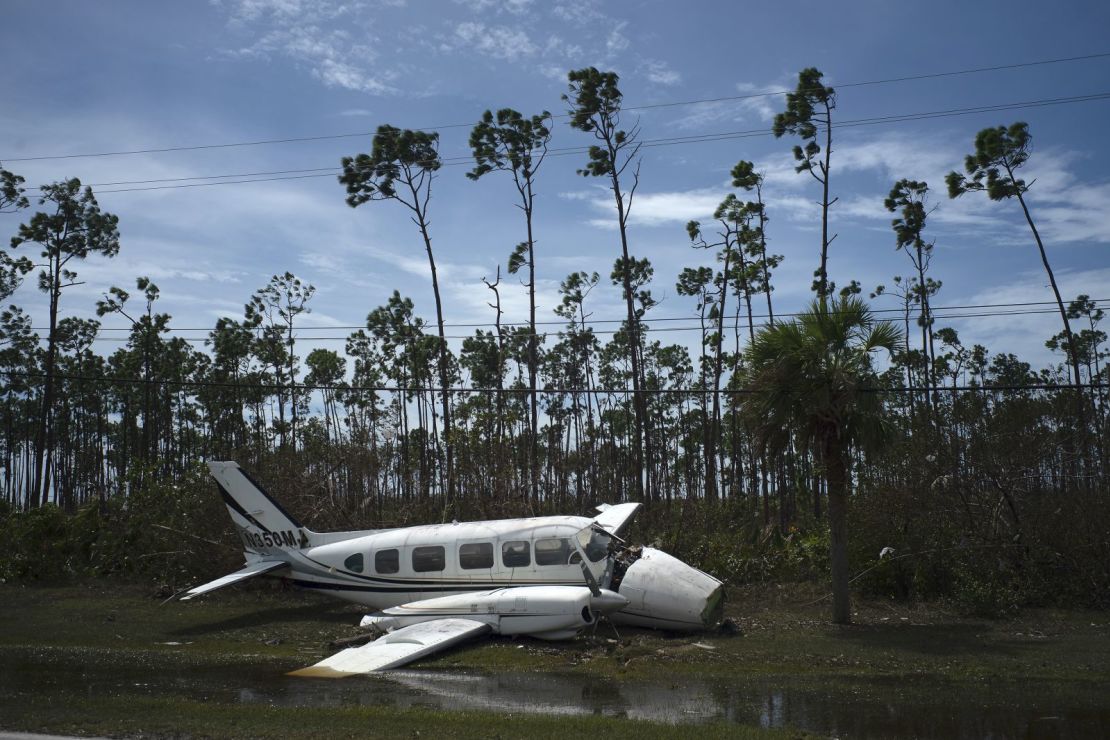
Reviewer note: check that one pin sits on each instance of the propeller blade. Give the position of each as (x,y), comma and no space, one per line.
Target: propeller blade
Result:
(590,580)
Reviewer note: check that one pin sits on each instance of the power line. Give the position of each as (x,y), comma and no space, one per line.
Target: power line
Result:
(591,321)
(910,78)
(545,391)
(643,329)
(464,160)
(652,106)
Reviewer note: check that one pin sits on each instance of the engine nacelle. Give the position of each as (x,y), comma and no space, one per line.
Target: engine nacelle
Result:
(665,593)
(546,612)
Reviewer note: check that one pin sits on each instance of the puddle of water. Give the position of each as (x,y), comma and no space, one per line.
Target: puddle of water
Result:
(845,708)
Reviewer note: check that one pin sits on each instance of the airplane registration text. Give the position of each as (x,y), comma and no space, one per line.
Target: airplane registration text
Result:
(286,538)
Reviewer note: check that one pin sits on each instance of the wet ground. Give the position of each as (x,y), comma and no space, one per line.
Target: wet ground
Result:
(77,659)
(873,708)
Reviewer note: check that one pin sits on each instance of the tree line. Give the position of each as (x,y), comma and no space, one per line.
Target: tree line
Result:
(777,426)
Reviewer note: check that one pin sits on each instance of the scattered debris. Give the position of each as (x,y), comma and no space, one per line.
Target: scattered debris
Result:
(729,626)
(360,639)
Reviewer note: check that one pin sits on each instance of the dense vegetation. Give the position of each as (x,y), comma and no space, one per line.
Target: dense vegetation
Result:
(985,476)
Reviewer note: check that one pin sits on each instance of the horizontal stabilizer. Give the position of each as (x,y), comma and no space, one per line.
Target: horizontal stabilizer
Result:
(615,519)
(254,569)
(397,648)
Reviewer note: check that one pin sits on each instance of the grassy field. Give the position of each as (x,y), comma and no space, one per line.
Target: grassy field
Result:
(107,658)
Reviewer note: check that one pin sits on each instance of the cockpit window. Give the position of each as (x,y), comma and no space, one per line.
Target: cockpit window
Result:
(598,546)
(354,563)
(594,543)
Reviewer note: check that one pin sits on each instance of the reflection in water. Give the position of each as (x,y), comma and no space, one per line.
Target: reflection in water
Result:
(846,708)
(880,708)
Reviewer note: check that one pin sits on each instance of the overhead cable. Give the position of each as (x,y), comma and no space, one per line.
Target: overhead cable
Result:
(464,160)
(649,106)
(545,391)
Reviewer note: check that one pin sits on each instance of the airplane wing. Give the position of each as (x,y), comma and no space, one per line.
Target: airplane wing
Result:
(254,569)
(396,648)
(614,519)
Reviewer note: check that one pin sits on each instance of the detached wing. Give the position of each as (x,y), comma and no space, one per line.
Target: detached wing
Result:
(254,569)
(615,519)
(396,648)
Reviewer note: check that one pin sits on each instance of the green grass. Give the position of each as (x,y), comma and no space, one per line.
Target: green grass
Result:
(106,658)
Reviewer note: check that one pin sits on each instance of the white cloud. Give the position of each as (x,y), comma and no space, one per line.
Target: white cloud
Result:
(1078,213)
(557,46)
(515,7)
(470,299)
(1025,335)
(656,209)
(499,42)
(580,12)
(310,33)
(617,42)
(757,104)
(554,72)
(660,73)
(763,100)
(252,11)
(898,155)
(794,208)
(1065,209)
(583,194)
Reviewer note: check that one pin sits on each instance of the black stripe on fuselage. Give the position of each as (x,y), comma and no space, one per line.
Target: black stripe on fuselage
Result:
(327,586)
(330,571)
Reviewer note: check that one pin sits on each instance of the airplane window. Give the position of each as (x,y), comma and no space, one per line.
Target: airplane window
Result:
(515,554)
(594,542)
(597,547)
(553,551)
(426,559)
(354,563)
(474,555)
(387,561)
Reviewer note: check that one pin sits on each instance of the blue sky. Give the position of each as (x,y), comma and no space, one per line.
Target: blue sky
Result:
(94,77)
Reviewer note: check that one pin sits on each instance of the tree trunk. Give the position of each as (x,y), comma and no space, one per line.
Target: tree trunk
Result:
(642,443)
(836,474)
(444,354)
(44,444)
(533,361)
(823,289)
(1073,355)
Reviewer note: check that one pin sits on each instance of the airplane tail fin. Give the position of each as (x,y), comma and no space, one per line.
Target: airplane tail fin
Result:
(265,527)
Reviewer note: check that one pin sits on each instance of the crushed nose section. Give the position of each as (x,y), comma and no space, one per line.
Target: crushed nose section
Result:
(665,593)
(714,607)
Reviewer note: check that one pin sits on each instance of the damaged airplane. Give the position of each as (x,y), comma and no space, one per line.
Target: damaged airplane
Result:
(436,585)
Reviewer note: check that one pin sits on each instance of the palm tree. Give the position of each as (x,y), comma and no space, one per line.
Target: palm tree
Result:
(812,377)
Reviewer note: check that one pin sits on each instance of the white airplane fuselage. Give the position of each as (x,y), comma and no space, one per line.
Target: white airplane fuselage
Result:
(384,568)
(537,566)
